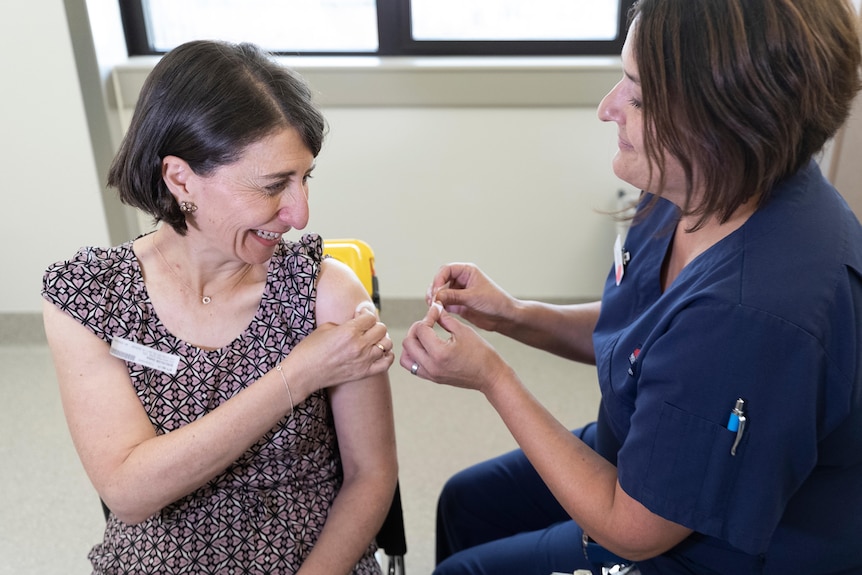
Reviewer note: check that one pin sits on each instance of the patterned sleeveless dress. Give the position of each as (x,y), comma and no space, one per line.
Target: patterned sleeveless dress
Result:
(264,513)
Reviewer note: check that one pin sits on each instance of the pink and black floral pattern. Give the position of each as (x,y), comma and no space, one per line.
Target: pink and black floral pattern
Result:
(264,513)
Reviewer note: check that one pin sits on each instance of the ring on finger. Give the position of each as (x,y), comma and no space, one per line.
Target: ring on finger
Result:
(414,368)
(383,349)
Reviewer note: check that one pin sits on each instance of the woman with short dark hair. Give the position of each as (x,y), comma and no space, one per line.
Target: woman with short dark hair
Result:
(225,388)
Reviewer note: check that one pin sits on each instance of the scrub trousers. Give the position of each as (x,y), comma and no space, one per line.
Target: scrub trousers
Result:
(499,518)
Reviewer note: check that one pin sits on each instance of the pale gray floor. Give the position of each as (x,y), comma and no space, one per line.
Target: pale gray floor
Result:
(51,516)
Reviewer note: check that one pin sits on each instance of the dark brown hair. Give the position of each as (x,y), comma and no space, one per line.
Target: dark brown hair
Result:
(205,102)
(743,92)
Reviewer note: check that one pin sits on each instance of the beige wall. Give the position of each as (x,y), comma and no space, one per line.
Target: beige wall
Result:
(846,168)
(51,192)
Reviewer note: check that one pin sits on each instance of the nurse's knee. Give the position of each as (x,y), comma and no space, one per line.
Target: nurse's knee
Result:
(462,488)
(459,564)
(453,494)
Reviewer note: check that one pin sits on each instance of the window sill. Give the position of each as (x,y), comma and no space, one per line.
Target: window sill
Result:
(431,82)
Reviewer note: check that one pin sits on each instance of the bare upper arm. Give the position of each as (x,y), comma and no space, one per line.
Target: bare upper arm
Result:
(105,417)
(339,291)
(362,409)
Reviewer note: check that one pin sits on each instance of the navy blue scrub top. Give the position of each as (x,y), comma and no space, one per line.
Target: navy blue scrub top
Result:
(771,314)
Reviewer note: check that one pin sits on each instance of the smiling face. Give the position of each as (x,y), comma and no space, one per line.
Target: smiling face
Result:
(624,106)
(246,206)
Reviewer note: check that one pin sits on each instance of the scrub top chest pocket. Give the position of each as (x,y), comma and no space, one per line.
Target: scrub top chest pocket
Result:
(691,463)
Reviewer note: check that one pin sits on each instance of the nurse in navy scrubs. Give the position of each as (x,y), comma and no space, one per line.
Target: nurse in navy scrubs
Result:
(728,340)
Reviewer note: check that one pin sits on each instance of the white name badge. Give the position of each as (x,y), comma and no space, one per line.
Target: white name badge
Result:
(619,264)
(621,260)
(143,355)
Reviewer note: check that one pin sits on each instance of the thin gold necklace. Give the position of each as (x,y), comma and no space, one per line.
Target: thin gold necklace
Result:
(205,299)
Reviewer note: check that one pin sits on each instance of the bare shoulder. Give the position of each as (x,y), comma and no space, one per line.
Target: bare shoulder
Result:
(62,329)
(339,291)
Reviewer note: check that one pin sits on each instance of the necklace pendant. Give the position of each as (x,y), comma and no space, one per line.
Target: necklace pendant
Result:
(206,300)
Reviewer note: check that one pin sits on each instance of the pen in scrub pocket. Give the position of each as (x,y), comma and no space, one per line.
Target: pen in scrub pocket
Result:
(736,423)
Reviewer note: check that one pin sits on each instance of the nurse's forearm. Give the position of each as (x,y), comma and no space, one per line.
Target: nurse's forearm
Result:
(564,330)
(584,483)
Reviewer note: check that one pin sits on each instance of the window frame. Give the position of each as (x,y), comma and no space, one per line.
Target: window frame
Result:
(394,38)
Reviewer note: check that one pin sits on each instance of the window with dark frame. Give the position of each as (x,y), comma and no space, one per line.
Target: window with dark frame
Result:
(383,27)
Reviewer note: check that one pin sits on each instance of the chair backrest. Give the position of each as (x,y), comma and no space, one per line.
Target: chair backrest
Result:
(360,257)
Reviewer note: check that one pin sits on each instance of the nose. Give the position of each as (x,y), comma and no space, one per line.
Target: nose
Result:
(609,110)
(293,210)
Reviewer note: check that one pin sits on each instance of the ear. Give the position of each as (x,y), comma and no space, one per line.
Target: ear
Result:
(176,173)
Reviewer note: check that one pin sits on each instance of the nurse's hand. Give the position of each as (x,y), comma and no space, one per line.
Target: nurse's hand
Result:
(463,359)
(465,290)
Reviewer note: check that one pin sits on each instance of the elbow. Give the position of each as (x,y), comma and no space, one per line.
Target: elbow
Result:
(636,556)
(377,481)
(381,471)
(392,473)
(644,548)
(127,508)
(636,533)
(132,519)
(634,552)
(130,516)
(385,478)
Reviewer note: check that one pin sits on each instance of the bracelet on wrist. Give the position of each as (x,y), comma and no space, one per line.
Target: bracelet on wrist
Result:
(286,386)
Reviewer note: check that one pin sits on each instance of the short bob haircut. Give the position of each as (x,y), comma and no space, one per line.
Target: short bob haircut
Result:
(205,102)
(742,92)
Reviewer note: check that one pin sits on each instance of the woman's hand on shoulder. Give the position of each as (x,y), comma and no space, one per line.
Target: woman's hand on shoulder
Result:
(350,341)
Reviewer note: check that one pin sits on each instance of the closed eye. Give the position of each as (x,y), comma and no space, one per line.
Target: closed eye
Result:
(281,181)
(276,187)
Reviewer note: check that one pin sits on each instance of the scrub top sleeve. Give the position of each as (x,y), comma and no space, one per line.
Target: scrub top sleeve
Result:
(676,459)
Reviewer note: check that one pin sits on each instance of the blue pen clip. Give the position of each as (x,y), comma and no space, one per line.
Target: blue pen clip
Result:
(736,423)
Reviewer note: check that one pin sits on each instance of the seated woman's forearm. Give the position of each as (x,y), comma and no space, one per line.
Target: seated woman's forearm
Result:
(165,468)
(354,520)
